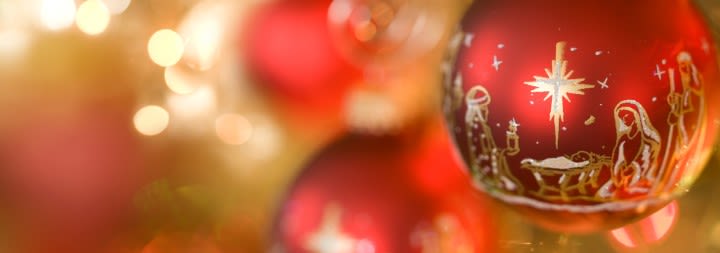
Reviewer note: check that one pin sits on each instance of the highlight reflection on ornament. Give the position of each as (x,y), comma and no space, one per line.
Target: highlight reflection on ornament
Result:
(649,231)
(373,194)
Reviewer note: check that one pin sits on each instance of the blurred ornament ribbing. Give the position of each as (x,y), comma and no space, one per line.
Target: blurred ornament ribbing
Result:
(570,117)
(373,194)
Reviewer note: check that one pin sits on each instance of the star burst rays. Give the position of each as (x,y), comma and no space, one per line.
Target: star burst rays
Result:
(558,85)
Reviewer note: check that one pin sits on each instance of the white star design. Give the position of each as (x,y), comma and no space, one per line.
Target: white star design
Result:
(659,73)
(496,63)
(603,84)
(329,237)
(558,85)
(706,46)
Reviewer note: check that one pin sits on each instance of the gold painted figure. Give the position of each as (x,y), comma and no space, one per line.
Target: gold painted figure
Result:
(687,105)
(636,151)
(488,161)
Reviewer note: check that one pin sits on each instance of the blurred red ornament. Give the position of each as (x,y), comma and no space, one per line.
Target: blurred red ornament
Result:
(288,49)
(362,194)
(559,113)
(69,172)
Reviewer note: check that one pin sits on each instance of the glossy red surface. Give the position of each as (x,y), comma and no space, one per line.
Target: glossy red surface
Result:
(370,194)
(69,174)
(599,111)
(287,47)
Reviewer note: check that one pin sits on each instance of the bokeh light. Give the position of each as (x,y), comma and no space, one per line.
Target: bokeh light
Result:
(166,47)
(13,44)
(117,6)
(204,28)
(180,81)
(151,120)
(233,129)
(57,14)
(194,106)
(93,17)
(266,140)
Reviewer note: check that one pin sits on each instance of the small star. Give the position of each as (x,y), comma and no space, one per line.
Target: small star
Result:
(659,73)
(664,61)
(532,102)
(468,39)
(496,63)
(537,142)
(654,99)
(564,128)
(573,49)
(501,46)
(597,53)
(514,123)
(603,84)
(498,125)
(471,65)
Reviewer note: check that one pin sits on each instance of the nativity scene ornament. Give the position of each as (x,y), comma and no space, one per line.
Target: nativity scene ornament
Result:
(640,166)
(604,136)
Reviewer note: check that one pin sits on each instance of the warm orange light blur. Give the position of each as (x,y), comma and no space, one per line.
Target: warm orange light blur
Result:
(57,14)
(117,6)
(233,129)
(151,120)
(180,81)
(266,139)
(93,17)
(197,105)
(165,47)
(204,29)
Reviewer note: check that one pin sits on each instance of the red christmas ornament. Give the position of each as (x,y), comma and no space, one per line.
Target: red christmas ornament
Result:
(288,48)
(362,195)
(69,173)
(561,111)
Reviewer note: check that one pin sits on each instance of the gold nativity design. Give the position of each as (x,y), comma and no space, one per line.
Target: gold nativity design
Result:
(635,170)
